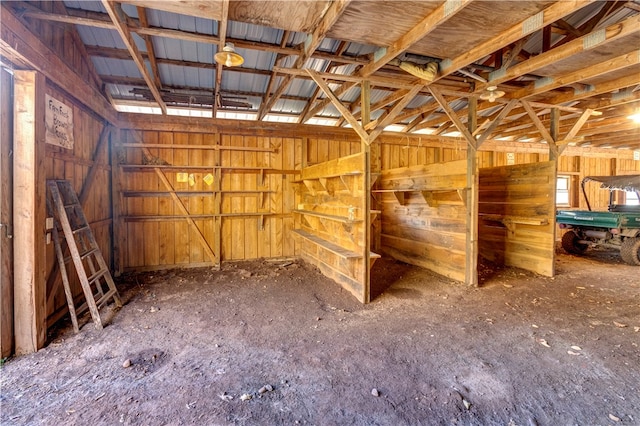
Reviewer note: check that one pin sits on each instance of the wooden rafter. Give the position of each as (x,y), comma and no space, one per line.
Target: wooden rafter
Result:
(320,105)
(611,33)
(551,14)
(471,141)
(312,100)
(623,61)
(496,121)
(199,8)
(607,8)
(437,17)
(119,19)
(313,41)
(393,113)
(222,35)
(596,90)
(339,106)
(151,54)
(101,20)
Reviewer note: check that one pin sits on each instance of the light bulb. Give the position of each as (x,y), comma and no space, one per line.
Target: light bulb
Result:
(492,97)
(229,62)
(635,117)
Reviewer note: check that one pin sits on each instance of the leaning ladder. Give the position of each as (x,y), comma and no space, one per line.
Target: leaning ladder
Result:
(69,217)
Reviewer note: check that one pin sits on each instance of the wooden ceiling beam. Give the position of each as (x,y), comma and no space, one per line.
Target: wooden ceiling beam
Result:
(101,20)
(608,8)
(596,90)
(339,106)
(392,98)
(453,116)
(312,42)
(346,86)
(437,17)
(142,16)
(387,119)
(118,17)
(613,32)
(545,85)
(557,10)
(197,8)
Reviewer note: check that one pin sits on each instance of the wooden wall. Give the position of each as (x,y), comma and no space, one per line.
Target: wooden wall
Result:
(245,213)
(517,216)
(74,165)
(423,216)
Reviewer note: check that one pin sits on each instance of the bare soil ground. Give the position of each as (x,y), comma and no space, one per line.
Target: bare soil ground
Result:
(520,350)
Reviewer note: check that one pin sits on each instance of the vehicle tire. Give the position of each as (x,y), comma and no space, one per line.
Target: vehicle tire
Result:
(630,251)
(570,243)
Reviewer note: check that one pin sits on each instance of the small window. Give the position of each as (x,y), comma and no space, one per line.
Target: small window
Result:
(631,199)
(563,191)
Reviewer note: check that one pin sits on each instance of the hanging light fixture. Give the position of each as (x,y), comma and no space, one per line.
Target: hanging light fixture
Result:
(228,56)
(491,94)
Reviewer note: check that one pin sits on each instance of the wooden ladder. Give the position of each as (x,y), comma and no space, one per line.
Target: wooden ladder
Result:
(69,217)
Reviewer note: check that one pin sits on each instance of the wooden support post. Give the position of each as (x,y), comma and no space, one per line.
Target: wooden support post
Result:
(471,244)
(29,212)
(6,223)
(117,239)
(217,203)
(554,132)
(365,104)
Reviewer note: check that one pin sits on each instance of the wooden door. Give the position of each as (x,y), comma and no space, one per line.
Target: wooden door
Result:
(6,242)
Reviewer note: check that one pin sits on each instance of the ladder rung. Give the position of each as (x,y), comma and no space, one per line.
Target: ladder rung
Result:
(71,205)
(105,297)
(82,256)
(82,229)
(97,275)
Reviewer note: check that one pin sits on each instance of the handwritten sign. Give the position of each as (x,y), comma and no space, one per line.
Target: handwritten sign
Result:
(59,123)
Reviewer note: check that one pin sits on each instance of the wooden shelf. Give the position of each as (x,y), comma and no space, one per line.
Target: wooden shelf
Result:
(332,247)
(169,167)
(327,245)
(508,220)
(134,194)
(430,195)
(334,218)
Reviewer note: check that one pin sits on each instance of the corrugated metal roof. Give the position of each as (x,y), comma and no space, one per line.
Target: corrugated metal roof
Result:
(92,36)
(94,6)
(116,67)
(181,76)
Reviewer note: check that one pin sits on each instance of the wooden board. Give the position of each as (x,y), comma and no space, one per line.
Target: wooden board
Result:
(424,216)
(6,209)
(29,212)
(517,216)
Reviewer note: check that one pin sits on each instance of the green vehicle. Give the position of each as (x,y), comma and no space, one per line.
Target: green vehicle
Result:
(618,228)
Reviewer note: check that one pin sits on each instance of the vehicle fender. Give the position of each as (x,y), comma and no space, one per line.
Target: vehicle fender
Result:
(630,233)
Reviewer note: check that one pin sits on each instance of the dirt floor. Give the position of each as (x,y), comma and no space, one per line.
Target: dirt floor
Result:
(277,343)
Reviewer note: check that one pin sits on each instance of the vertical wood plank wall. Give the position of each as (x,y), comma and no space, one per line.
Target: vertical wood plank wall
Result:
(517,216)
(255,193)
(73,165)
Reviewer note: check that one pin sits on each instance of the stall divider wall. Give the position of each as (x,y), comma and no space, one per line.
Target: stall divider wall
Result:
(424,216)
(517,216)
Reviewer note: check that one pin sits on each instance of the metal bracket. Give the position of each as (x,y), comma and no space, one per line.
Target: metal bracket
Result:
(8,230)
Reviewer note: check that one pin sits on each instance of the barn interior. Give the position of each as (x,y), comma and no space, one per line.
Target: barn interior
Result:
(197,133)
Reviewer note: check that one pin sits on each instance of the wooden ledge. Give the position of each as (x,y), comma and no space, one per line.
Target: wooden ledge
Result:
(327,245)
